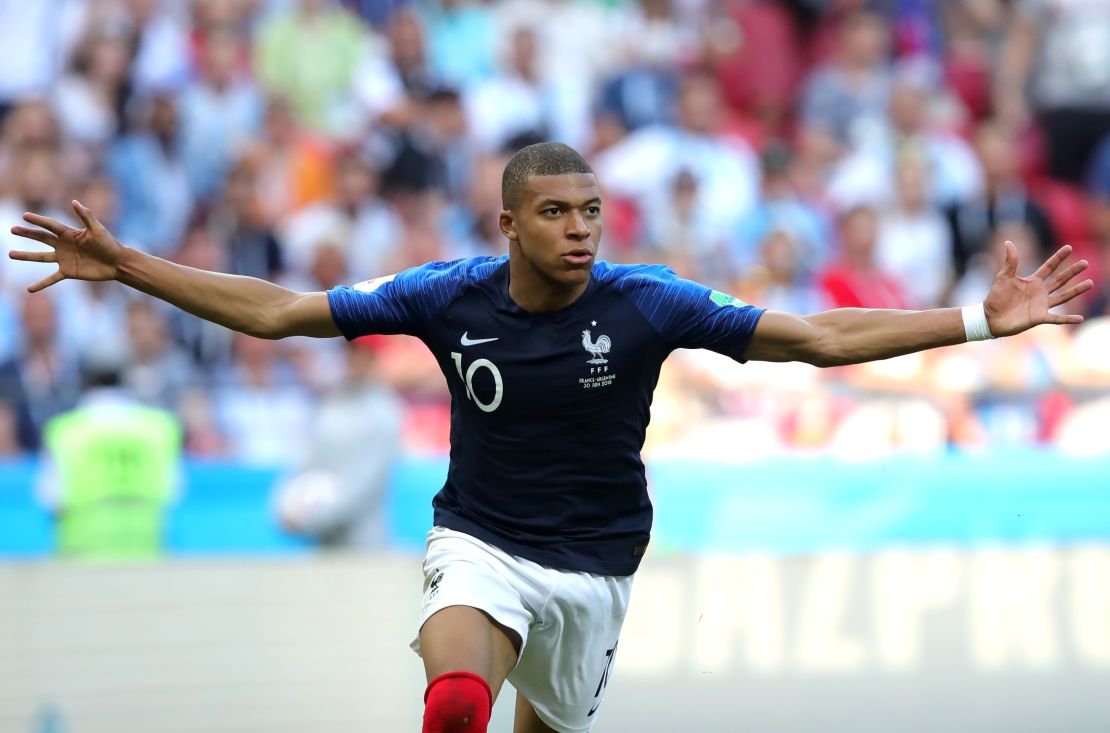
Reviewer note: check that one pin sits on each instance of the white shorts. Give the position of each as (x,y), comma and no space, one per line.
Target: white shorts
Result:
(568,621)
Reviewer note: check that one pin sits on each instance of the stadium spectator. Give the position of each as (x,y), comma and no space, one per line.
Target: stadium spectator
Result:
(408,58)
(1004,199)
(354,218)
(471,220)
(761,69)
(652,42)
(33,181)
(680,234)
(36,39)
(9,432)
(260,406)
(845,98)
(781,206)
(539,107)
(95,327)
(914,242)
(320,91)
(915,121)
(252,246)
(644,165)
(1098,189)
(1055,53)
(90,99)
(293,168)
(148,168)
(856,280)
(44,378)
(207,344)
(780,277)
(157,372)
(336,493)
(162,62)
(221,111)
(462,41)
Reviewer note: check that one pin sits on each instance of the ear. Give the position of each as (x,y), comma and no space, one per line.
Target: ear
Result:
(507,224)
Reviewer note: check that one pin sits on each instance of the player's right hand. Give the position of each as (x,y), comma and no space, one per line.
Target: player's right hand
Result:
(91,253)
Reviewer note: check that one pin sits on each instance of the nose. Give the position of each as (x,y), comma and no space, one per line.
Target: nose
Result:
(577,228)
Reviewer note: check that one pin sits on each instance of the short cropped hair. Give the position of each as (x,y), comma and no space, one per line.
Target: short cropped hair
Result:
(541,159)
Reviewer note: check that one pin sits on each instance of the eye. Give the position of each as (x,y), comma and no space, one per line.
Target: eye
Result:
(552,211)
(593,210)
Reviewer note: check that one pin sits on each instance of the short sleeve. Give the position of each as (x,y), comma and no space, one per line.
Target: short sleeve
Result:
(689,315)
(395,304)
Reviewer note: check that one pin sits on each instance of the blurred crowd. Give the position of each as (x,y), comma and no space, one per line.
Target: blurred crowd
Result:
(801,154)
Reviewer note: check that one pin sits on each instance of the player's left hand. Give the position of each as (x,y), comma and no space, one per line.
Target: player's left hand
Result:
(1015,304)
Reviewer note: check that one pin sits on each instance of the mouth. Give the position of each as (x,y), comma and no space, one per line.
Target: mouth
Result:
(580,256)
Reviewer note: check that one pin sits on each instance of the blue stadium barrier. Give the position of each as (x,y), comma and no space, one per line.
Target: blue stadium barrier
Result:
(795,504)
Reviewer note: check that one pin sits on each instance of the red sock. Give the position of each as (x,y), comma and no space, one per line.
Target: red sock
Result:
(457,702)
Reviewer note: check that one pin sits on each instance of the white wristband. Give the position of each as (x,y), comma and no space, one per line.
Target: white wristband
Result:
(975,323)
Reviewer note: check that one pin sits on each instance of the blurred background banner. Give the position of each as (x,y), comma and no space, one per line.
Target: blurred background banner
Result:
(795,504)
(916,640)
(203,530)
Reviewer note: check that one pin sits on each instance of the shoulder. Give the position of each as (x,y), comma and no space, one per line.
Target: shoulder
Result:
(640,275)
(443,276)
(642,280)
(653,289)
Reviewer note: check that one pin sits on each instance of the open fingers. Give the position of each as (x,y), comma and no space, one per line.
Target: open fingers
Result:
(39,235)
(46,282)
(50,225)
(85,214)
(1063,296)
(1049,266)
(16,254)
(1060,279)
(1009,258)
(1061,319)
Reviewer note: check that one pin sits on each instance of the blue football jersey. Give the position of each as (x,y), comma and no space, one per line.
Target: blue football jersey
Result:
(548,410)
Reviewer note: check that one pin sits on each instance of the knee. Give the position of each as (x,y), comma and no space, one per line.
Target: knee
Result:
(457,702)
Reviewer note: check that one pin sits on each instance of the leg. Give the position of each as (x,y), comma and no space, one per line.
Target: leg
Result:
(464,639)
(526,720)
(457,644)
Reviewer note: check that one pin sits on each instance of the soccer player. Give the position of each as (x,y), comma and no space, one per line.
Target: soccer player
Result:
(551,357)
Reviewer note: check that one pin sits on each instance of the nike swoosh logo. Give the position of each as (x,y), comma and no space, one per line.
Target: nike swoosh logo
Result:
(466,341)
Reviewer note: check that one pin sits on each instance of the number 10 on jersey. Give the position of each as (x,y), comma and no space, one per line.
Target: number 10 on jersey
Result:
(468,381)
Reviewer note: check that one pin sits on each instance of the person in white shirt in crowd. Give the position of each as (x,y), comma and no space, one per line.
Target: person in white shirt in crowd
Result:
(336,493)
(914,242)
(261,407)
(156,371)
(162,54)
(221,111)
(355,217)
(643,165)
(921,115)
(89,100)
(37,38)
(542,103)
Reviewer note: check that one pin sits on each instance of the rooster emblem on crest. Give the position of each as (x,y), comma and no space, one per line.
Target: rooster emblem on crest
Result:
(596,348)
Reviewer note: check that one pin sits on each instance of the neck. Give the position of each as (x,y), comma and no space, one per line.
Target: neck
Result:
(536,293)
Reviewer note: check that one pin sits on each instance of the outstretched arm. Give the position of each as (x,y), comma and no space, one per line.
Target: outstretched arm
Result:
(855,335)
(246,304)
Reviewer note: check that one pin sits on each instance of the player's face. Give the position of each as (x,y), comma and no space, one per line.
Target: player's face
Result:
(557,228)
